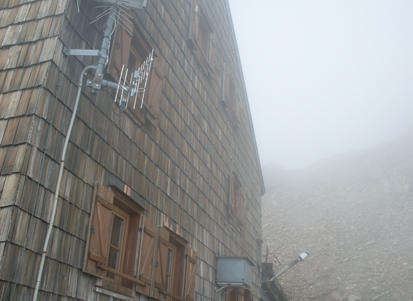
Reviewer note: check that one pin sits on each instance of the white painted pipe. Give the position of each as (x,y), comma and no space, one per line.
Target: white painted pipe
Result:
(59,180)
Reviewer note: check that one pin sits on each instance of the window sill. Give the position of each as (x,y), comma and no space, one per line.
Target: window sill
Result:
(108,288)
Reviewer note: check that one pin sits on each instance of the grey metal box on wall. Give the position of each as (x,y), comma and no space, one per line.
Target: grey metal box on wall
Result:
(234,271)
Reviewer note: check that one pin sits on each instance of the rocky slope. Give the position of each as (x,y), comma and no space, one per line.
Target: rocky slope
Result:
(354,214)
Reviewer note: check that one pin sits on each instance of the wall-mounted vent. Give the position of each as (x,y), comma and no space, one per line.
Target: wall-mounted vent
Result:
(234,272)
(128,3)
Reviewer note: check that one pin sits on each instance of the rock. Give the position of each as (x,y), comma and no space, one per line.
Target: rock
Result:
(350,213)
(336,295)
(353,298)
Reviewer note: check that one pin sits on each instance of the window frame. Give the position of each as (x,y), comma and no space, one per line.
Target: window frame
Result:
(125,45)
(231,97)
(237,202)
(142,257)
(202,45)
(180,248)
(112,201)
(121,249)
(238,294)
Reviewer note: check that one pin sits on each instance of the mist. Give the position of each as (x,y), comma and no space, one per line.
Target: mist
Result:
(325,77)
(330,91)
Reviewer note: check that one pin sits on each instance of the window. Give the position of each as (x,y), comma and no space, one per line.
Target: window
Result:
(202,40)
(128,251)
(170,272)
(238,294)
(231,98)
(130,51)
(237,202)
(112,239)
(175,273)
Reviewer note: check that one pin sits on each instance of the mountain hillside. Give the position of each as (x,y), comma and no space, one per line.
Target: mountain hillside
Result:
(354,214)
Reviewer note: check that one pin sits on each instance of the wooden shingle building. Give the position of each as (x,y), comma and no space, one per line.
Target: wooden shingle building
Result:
(124,185)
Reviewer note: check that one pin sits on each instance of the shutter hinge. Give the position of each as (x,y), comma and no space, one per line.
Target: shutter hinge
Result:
(156,263)
(93,229)
(98,265)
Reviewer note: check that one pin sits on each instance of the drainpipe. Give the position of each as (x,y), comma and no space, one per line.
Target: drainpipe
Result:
(59,179)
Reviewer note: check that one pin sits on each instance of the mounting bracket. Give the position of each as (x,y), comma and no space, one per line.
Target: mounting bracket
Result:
(83,52)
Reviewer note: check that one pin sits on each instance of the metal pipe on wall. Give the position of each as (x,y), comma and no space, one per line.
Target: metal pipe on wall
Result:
(59,179)
(109,25)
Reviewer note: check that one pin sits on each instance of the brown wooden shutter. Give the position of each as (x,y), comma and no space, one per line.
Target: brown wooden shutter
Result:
(242,207)
(230,99)
(231,193)
(154,96)
(212,51)
(190,275)
(194,27)
(247,295)
(238,106)
(162,259)
(226,89)
(232,294)
(224,86)
(146,255)
(241,295)
(233,196)
(119,53)
(99,232)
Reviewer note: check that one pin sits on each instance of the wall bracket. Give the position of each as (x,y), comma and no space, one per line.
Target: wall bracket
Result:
(83,52)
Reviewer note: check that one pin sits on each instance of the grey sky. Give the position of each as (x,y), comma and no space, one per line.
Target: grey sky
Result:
(325,77)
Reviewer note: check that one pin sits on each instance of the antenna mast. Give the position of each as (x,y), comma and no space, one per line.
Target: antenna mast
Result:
(103,58)
(138,78)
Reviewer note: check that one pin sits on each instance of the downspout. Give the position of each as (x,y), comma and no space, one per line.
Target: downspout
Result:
(59,179)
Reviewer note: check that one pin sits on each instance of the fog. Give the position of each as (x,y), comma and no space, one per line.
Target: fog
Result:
(325,77)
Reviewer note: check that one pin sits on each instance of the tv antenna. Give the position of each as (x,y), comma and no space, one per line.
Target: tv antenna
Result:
(138,80)
(117,15)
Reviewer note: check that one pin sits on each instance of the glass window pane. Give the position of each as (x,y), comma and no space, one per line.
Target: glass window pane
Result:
(113,261)
(117,231)
(169,263)
(168,282)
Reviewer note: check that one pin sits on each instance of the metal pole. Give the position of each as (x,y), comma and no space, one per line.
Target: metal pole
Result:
(103,59)
(301,257)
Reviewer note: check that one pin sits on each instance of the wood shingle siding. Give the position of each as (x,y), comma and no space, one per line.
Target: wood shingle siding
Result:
(181,167)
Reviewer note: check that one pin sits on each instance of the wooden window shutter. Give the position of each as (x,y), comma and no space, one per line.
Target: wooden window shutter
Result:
(247,295)
(238,106)
(224,86)
(231,192)
(119,53)
(230,97)
(146,255)
(190,275)
(232,295)
(194,27)
(99,232)
(212,51)
(234,195)
(242,207)
(241,295)
(162,259)
(154,96)
(227,89)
